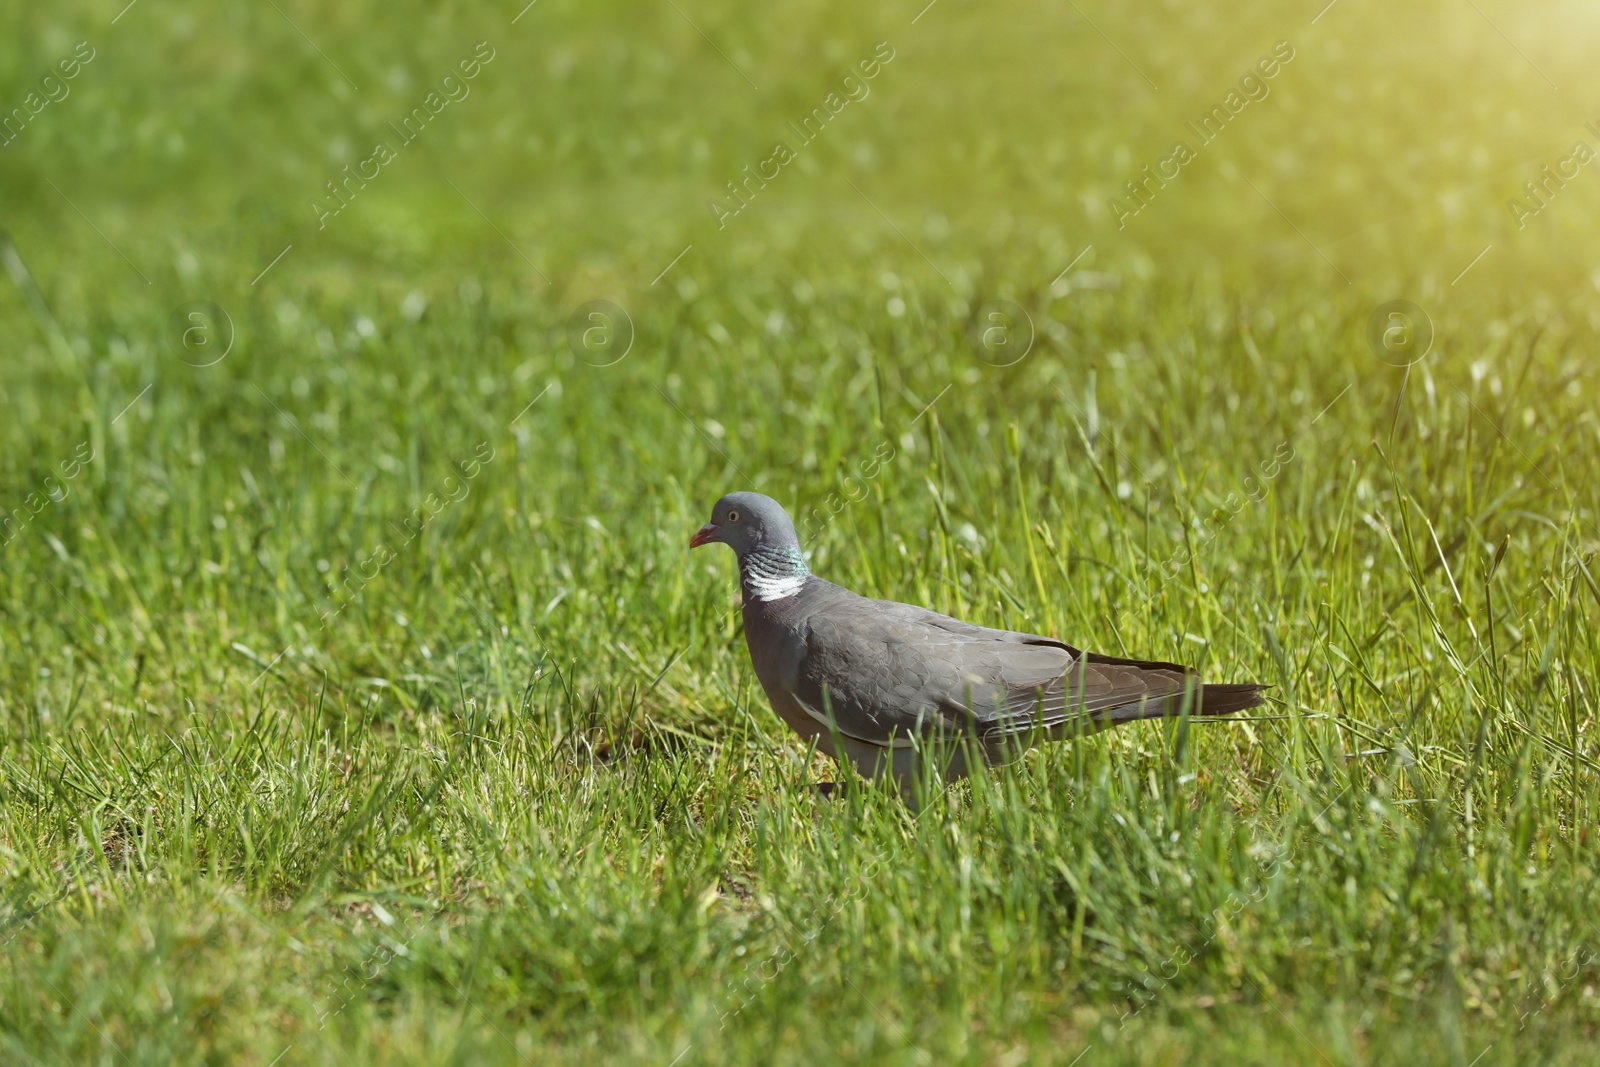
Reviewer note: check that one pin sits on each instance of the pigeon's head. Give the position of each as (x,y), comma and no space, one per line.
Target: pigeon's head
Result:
(748,523)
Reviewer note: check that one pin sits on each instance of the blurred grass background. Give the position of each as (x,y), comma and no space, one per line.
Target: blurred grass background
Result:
(520,799)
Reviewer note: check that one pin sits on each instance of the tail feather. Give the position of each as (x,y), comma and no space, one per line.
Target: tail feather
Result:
(1214,700)
(1226,698)
(1100,691)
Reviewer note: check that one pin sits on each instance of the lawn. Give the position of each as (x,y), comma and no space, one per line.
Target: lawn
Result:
(367,367)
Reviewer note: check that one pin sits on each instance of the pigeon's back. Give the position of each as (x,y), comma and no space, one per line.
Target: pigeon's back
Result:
(881,673)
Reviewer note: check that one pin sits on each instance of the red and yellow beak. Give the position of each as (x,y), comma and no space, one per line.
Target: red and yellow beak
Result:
(703,535)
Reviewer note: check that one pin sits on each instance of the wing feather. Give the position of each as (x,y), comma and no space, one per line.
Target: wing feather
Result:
(884,673)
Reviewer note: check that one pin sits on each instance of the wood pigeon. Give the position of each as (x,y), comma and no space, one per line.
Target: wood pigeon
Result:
(884,685)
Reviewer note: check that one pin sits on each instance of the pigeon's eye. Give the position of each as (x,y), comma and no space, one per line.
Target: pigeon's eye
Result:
(733,516)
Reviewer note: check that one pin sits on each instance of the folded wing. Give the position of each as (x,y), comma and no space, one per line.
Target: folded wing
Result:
(883,673)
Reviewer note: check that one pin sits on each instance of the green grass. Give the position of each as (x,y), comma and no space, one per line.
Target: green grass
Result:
(512,794)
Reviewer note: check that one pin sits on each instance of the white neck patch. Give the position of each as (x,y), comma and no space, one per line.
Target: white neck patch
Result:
(768,589)
(774,573)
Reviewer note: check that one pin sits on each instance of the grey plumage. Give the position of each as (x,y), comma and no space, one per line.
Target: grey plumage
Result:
(890,683)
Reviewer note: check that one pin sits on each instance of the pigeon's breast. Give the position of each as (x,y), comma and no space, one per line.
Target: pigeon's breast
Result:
(777,646)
